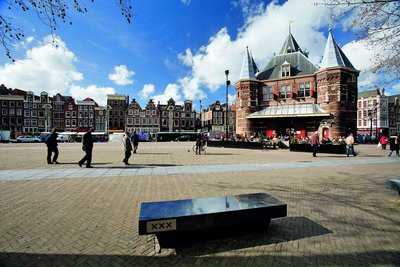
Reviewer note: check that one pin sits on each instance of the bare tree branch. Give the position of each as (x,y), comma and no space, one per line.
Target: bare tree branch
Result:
(50,12)
(378,22)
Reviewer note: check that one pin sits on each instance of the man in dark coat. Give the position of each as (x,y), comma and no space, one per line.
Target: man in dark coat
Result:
(198,144)
(394,145)
(128,147)
(52,146)
(87,146)
(135,141)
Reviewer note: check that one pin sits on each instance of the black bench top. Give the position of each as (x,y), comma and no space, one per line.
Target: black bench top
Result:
(395,184)
(202,206)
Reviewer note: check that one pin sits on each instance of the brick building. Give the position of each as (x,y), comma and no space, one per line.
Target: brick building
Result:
(118,105)
(45,113)
(58,111)
(292,95)
(373,113)
(32,107)
(143,120)
(176,118)
(11,115)
(394,114)
(86,114)
(100,115)
(213,118)
(70,114)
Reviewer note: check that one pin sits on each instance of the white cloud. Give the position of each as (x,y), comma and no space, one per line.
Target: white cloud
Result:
(24,43)
(367,80)
(50,66)
(147,90)
(248,7)
(121,75)
(231,99)
(171,91)
(186,58)
(190,88)
(360,54)
(264,33)
(29,39)
(98,94)
(46,67)
(362,59)
(186,2)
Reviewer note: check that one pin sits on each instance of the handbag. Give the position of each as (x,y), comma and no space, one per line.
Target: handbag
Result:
(379,145)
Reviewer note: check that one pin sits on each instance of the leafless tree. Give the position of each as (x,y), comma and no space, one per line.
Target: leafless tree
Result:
(378,22)
(50,12)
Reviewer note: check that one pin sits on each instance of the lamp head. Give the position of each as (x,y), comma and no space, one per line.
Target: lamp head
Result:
(226,73)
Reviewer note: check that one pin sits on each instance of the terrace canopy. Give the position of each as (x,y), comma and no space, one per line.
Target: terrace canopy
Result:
(290,111)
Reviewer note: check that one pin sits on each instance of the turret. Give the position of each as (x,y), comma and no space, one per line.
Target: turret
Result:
(337,88)
(246,95)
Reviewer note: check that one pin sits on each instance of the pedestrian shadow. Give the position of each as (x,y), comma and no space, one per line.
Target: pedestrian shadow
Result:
(279,230)
(323,155)
(76,163)
(138,166)
(151,153)
(369,257)
(372,156)
(221,154)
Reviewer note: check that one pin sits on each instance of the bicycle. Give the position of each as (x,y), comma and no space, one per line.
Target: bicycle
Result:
(203,148)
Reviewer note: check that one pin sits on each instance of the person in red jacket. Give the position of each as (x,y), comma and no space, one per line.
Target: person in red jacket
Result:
(384,141)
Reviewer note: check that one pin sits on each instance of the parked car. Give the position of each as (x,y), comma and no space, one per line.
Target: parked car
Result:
(63,138)
(4,136)
(28,139)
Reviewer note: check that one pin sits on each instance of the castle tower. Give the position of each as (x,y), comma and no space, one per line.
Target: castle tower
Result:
(337,89)
(246,94)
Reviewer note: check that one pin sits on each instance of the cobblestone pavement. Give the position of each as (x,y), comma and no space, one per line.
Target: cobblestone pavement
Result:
(154,169)
(340,212)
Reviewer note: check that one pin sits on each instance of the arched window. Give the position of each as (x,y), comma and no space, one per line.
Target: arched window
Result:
(285,69)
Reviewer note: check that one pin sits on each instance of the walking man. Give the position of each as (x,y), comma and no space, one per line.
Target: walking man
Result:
(394,145)
(315,143)
(87,146)
(350,145)
(128,147)
(198,144)
(135,139)
(52,146)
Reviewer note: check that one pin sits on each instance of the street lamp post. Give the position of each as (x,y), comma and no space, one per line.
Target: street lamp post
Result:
(201,119)
(46,115)
(108,108)
(228,82)
(371,114)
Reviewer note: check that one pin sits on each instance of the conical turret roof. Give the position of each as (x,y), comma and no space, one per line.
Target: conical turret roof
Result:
(290,45)
(249,67)
(333,55)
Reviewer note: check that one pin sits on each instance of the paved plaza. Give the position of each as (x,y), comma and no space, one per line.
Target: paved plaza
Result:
(340,210)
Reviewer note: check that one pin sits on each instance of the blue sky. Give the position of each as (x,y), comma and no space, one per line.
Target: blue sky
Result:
(173,48)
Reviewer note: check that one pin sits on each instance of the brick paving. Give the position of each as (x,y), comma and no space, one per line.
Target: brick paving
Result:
(339,214)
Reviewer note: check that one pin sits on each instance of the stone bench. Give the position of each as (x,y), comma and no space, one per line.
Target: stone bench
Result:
(323,148)
(395,184)
(169,219)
